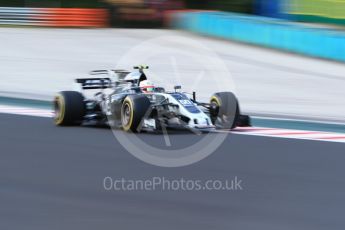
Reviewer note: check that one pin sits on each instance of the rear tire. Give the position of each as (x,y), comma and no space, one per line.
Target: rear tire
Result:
(133,110)
(225,110)
(69,108)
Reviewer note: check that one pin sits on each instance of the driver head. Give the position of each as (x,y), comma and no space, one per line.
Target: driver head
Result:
(147,86)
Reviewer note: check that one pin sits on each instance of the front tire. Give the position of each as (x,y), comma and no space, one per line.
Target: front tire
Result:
(69,108)
(133,110)
(224,110)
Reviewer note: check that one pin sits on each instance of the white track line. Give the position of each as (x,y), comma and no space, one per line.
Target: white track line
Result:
(291,133)
(255,131)
(26,111)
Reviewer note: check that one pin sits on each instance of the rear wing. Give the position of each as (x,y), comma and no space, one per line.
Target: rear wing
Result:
(108,71)
(117,74)
(94,83)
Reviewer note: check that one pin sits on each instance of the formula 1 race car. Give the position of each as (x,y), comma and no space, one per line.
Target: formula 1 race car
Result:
(129,101)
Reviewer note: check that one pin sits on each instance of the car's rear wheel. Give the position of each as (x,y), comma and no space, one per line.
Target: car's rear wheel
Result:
(133,110)
(69,108)
(224,110)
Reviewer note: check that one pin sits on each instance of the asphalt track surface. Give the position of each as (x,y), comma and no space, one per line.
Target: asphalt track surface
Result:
(38,62)
(52,178)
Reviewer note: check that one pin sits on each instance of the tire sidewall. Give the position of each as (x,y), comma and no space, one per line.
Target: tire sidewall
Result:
(69,107)
(227,106)
(139,105)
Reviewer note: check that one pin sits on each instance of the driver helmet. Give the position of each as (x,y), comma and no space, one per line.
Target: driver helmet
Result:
(147,86)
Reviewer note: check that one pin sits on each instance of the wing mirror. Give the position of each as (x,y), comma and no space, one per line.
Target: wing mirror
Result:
(177,87)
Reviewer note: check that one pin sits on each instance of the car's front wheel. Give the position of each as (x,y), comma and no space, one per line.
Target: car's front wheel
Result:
(224,110)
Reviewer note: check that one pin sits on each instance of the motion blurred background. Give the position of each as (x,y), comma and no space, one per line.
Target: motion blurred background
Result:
(319,11)
(268,19)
